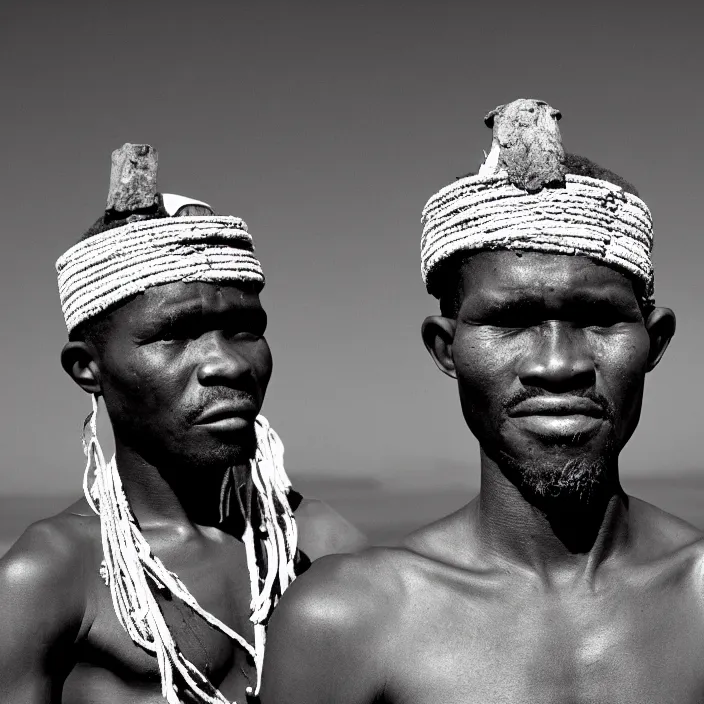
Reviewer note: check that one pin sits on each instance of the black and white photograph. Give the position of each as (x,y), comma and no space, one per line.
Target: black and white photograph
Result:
(351,352)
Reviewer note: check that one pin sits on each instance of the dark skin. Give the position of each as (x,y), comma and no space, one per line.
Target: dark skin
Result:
(169,355)
(552,585)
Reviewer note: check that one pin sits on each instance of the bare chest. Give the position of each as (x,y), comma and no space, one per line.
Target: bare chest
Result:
(610,649)
(111,667)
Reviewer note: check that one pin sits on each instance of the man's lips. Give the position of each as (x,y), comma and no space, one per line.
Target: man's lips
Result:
(557,406)
(228,415)
(560,418)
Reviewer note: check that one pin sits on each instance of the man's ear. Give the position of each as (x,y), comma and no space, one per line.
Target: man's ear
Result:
(79,360)
(661,329)
(438,335)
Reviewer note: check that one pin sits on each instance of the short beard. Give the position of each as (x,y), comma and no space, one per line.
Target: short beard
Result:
(189,462)
(228,455)
(564,484)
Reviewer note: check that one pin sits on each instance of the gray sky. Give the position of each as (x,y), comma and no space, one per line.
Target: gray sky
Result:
(326,126)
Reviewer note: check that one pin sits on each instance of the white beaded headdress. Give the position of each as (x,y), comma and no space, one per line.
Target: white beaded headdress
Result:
(523,199)
(100,272)
(109,267)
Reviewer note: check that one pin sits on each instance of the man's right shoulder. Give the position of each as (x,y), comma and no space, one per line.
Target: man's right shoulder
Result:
(47,568)
(338,592)
(329,635)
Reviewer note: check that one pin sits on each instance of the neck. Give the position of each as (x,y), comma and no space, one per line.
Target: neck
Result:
(159,497)
(560,539)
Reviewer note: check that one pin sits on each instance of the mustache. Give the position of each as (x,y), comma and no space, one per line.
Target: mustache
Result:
(525,394)
(193,411)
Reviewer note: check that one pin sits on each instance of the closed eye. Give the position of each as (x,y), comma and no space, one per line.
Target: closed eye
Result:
(602,315)
(240,324)
(176,332)
(595,315)
(249,324)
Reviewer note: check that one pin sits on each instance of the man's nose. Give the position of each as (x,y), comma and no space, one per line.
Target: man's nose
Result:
(219,362)
(558,359)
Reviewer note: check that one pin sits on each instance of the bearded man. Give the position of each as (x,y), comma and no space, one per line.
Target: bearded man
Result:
(553,585)
(159,583)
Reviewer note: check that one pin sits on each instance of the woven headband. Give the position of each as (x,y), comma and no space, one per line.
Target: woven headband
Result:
(522,199)
(110,267)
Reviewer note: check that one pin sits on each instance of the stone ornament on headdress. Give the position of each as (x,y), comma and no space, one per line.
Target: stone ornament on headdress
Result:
(523,199)
(109,267)
(141,242)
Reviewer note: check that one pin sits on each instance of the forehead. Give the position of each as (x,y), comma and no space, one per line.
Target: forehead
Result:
(534,274)
(193,298)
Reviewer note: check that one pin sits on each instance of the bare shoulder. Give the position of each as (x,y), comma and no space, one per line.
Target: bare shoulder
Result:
(351,595)
(345,590)
(671,553)
(44,582)
(41,574)
(323,531)
(448,544)
(660,533)
(349,599)
(329,635)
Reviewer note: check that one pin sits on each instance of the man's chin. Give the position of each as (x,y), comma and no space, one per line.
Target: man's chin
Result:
(561,481)
(215,454)
(230,455)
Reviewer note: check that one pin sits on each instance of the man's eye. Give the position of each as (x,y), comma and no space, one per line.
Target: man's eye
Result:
(246,329)
(240,333)
(519,320)
(173,334)
(600,318)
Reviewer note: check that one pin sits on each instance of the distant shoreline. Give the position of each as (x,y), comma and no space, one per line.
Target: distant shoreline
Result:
(381,512)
